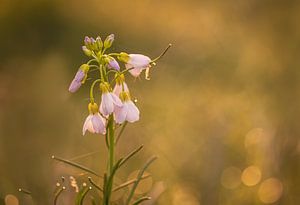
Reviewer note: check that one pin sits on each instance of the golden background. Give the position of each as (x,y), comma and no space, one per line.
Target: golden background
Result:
(221,109)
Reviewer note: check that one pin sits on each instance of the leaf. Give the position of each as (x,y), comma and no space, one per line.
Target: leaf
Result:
(75,165)
(139,177)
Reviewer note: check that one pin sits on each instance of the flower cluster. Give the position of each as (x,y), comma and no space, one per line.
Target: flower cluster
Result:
(115,95)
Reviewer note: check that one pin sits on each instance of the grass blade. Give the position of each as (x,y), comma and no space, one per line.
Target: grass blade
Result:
(75,165)
(131,154)
(141,200)
(141,172)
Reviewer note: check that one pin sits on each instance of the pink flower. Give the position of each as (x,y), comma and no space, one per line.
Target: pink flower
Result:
(119,88)
(128,112)
(138,63)
(109,100)
(94,123)
(79,78)
(113,64)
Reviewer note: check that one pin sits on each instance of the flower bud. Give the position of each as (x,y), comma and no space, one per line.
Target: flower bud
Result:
(88,42)
(99,43)
(124,57)
(93,108)
(104,87)
(94,45)
(109,40)
(86,51)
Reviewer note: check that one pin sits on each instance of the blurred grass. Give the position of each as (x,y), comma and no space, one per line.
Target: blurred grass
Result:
(233,68)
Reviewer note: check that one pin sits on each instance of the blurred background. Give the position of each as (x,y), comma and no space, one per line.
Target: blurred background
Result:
(221,109)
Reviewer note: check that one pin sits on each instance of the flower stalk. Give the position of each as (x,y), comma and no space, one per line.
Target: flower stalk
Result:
(116,107)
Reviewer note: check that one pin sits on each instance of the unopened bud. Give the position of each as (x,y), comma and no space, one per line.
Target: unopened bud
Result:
(109,40)
(99,43)
(86,51)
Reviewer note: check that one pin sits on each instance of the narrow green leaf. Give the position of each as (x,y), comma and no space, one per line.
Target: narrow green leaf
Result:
(131,154)
(125,184)
(94,184)
(141,172)
(141,200)
(75,165)
(121,131)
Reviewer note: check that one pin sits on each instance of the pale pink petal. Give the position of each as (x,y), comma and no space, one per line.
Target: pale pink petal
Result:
(116,100)
(107,104)
(99,124)
(120,114)
(87,125)
(136,71)
(139,60)
(117,89)
(133,113)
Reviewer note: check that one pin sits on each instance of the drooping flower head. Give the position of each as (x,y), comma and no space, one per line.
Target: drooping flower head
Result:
(79,78)
(120,84)
(128,112)
(136,63)
(94,122)
(109,101)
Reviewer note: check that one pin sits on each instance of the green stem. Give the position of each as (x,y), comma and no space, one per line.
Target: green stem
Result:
(92,90)
(111,135)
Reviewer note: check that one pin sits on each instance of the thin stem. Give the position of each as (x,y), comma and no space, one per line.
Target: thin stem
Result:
(121,131)
(163,53)
(114,54)
(141,200)
(111,136)
(94,184)
(92,90)
(92,60)
(57,194)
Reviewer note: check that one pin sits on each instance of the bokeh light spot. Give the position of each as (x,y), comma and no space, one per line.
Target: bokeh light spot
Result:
(254,137)
(251,176)
(184,195)
(11,200)
(270,190)
(231,177)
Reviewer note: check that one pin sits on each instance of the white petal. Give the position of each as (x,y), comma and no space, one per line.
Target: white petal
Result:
(117,89)
(116,100)
(136,71)
(139,60)
(120,114)
(107,104)
(87,125)
(99,124)
(133,113)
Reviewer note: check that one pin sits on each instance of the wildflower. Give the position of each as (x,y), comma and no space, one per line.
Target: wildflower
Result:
(79,78)
(128,112)
(112,63)
(120,85)
(135,62)
(109,100)
(94,123)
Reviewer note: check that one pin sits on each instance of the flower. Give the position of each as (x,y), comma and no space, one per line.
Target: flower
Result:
(120,85)
(109,100)
(128,112)
(135,62)
(94,122)
(79,78)
(112,63)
